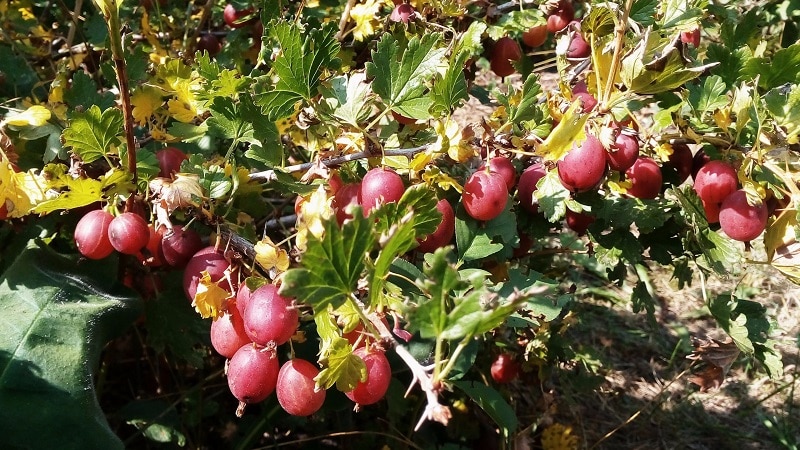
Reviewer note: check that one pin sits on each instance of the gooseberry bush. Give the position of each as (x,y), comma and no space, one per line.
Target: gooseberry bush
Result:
(304,207)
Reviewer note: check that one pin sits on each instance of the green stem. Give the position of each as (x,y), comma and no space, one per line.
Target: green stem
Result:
(453,358)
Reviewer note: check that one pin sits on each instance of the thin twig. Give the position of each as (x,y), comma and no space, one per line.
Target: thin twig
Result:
(345,18)
(269,175)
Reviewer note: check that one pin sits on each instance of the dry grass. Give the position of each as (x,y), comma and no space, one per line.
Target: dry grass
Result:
(644,399)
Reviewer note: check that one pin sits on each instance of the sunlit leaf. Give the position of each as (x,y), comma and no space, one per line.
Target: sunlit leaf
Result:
(92,134)
(571,130)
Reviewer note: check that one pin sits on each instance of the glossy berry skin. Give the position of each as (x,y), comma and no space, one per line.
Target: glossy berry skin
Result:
(209,43)
(269,317)
(559,20)
(180,245)
(711,210)
(206,259)
(715,181)
(380,186)
(578,222)
(699,160)
(645,178)
(740,220)
(243,298)
(91,234)
(527,186)
(578,47)
(503,166)
(580,91)
(232,16)
(584,166)
(402,13)
(485,195)
(379,374)
(169,161)
(505,368)
(227,333)
(535,36)
(623,153)
(153,254)
(296,388)
(253,374)
(128,233)
(444,231)
(349,194)
(504,52)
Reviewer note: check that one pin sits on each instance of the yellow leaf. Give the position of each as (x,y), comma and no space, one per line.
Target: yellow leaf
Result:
(435,176)
(559,437)
(363,14)
(787,261)
(312,214)
(270,256)
(145,101)
(181,111)
(34,116)
(570,130)
(210,298)
(19,192)
(449,141)
(781,232)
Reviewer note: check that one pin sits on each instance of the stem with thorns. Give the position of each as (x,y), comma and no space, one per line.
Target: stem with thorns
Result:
(111,13)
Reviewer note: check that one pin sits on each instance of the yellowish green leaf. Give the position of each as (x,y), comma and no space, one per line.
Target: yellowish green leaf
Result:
(34,116)
(570,130)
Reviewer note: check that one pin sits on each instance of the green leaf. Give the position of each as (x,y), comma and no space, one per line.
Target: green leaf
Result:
(731,61)
(449,91)
(528,108)
(617,246)
(227,121)
(470,41)
(655,66)
(400,225)
(644,12)
(229,83)
(541,306)
(331,266)
(599,21)
(493,403)
(471,245)
(83,93)
(58,315)
(342,367)
(299,67)
(783,67)
(400,77)
(429,315)
(785,109)
(353,97)
(552,196)
(158,420)
(617,212)
(680,13)
(175,328)
(90,134)
(708,97)
(747,324)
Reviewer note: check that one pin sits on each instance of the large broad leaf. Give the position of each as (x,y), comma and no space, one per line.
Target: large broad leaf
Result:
(57,315)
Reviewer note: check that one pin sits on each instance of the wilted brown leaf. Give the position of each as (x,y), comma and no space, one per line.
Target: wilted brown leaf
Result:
(718,356)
